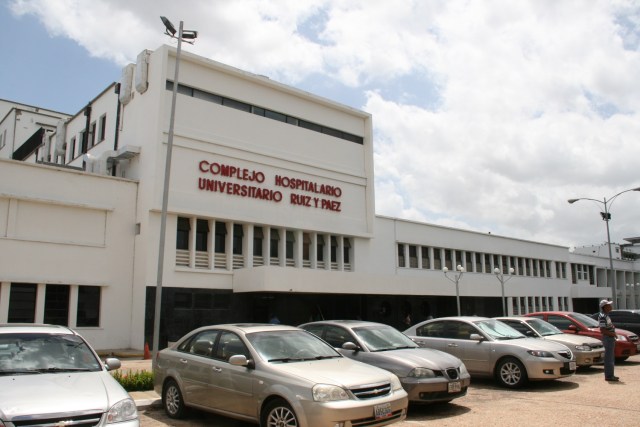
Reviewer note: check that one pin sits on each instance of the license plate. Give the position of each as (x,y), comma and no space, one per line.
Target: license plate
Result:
(382,411)
(572,366)
(454,387)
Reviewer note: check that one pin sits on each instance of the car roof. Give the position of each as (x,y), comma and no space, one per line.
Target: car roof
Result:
(463,318)
(552,312)
(522,318)
(34,328)
(347,322)
(249,327)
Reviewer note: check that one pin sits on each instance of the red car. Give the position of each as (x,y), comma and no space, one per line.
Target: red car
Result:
(571,322)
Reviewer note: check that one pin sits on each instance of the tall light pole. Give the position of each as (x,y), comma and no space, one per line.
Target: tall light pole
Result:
(455,279)
(606,217)
(502,280)
(188,36)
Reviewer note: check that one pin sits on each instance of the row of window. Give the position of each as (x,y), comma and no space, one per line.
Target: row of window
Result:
(434,258)
(269,114)
(97,134)
(524,305)
(23,297)
(201,242)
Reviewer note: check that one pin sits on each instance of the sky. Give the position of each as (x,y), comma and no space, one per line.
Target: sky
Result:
(488,115)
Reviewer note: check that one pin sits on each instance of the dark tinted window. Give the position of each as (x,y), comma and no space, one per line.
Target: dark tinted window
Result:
(559,322)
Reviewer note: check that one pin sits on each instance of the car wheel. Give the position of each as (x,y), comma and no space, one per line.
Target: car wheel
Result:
(621,359)
(510,373)
(278,413)
(172,400)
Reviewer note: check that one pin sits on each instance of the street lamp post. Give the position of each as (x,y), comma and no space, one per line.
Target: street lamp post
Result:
(188,36)
(455,279)
(606,217)
(502,280)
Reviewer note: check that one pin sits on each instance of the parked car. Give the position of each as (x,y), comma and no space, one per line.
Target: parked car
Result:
(588,350)
(275,375)
(571,322)
(49,375)
(427,375)
(624,319)
(490,348)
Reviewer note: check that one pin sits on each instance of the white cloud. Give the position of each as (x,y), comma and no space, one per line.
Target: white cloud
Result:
(534,102)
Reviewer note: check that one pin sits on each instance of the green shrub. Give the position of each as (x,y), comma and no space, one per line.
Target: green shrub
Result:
(134,380)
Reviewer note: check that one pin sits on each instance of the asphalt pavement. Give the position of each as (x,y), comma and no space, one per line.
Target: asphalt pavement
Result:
(581,400)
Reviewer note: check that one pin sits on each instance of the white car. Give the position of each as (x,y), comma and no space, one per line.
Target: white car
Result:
(276,376)
(490,348)
(50,376)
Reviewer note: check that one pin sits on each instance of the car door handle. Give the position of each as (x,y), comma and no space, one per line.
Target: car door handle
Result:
(216,369)
(183,361)
(452,344)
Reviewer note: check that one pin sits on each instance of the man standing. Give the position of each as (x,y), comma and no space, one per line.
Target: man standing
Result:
(608,339)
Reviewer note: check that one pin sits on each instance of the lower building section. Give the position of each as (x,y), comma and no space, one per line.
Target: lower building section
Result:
(184,309)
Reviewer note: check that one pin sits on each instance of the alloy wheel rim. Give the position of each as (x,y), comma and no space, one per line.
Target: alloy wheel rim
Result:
(282,417)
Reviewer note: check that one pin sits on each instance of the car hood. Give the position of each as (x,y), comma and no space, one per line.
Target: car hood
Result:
(569,339)
(35,394)
(341,371)
(618,331)
(415,358)
(536,344)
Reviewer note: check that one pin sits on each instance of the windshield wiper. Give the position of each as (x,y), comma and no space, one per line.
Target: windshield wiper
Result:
(18,371)
(48,370)
(405,346)
(285,359)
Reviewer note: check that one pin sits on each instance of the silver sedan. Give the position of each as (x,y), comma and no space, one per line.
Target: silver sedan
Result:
(427,375)
(490,348)
(588,350)
(279,376)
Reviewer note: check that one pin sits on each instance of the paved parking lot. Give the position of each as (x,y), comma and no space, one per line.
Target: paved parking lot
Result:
(584,400)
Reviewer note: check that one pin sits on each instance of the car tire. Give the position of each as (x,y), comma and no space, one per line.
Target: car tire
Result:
(172,400)
(278,413)
(621,359)
(511,373)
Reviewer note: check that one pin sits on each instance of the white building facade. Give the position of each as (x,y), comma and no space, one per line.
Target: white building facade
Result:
(270,211)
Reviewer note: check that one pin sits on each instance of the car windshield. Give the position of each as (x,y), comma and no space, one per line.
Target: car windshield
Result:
(290,346)
(585,320)
(32,353)
(498,330)
(543,328)
(383,338)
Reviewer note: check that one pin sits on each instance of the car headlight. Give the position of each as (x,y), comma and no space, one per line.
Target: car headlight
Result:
(329,393)
(395,383)
(539,353)
(421,373)
(622,338)
(583,348)
(124,410)
(463,370)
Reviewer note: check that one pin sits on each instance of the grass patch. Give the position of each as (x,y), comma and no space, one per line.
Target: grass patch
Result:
(134,380)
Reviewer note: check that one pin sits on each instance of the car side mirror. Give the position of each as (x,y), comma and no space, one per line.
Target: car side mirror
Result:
(530,334)
(573,329)
(241,360)
(476,337)
(350,346)
(111,363)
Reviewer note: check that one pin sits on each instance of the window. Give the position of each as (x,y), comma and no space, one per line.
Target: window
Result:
(83,142)
(425,256)
(220,237)
(289,245)
(92,134)
(56,305)
(320,248)
(22,303)
(3,138)
(182,236)
(72,148)
(337,336)
(413,256)
(229,345)
(258,236)
(242,106)
(334,249)
(347,249)
(437,258)
(88,306)
(238,234)
(102,130)
(448,259)
(273,244)
(306,247)
(202,235)
(401,260)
